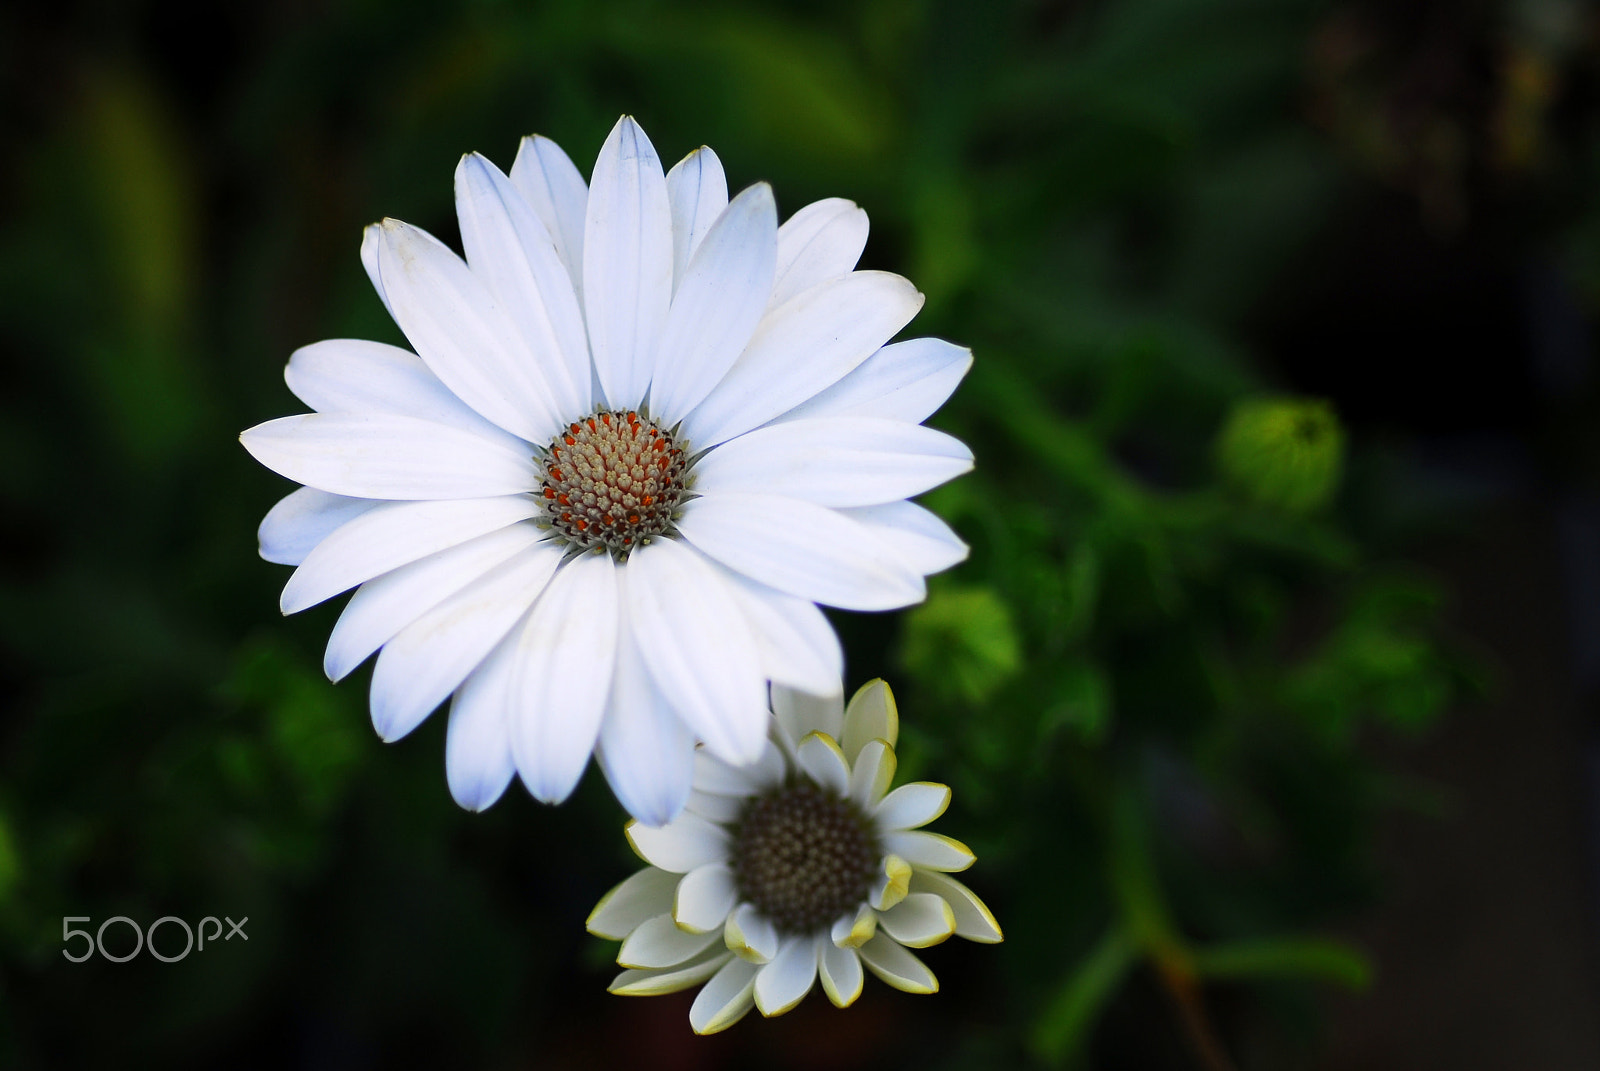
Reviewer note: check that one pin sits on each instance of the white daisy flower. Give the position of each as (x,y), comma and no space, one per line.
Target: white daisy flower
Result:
(795,868)
(645,431)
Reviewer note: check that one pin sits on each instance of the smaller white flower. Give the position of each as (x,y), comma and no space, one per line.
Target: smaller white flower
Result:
(801,866)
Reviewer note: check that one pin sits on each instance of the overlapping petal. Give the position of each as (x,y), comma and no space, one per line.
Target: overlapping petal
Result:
(393,534)
(836,461)
(646,752)
(383,606)
(820,242)
(378,455)
(905,381)
(726,999)
(701,657)
(803,346)
(917,537)
(721,294)
(462,334)
(344,375)
(555,190)
(477,745)
(302,519)
(564,664)
(800,548)
(697,191)
(430,657)
(510,248)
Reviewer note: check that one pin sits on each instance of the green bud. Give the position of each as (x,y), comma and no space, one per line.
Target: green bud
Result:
(1283,452)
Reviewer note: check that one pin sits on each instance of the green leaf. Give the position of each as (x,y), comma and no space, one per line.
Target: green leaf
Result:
(1064,1027)
(1082,703)
(10,861)
(1315,958)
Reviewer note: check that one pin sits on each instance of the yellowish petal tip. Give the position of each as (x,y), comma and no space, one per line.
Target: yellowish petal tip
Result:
(627,831)
(826,740)
(898,872)
(865,928)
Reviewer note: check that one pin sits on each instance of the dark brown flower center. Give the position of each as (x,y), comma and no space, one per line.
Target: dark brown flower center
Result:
(803,856)
(613,480)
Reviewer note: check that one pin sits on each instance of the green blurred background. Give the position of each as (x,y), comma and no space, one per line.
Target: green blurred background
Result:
(1266,694)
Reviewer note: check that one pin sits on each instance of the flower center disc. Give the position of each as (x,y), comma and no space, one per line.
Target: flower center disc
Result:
(803,857)
(612,480)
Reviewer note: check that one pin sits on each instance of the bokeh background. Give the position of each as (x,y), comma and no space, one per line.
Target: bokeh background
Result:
(1268,693)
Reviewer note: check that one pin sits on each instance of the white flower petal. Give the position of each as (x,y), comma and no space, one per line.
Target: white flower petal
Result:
(822,240)
(462,333)
(477,745)
(386,604)
(723,809)
(801,348)
(919,538)
(566,658)
(842,976)
(555,189)
(930,851)
(912,805)
(509,247)
(697,191)
(720,298)
(391,535)
(369,261)
(907,381)
(658,943)
(627,262)
(920,920)
(835,461)
(642,896)
(973,918)
(870,715)
(646,752)
(431,656)
(800,548)
(375,455)
(725,1000)
(871,773)
(704,898)
(713,775)
(802,714)
(797,645)
(750,935)
(304,518)
(345,375)
(890,961)
(700,654)
(784,982)
(655,983)
(683,844)
(824,763)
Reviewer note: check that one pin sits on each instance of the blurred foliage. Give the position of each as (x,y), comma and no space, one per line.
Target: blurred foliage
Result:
(964,637)
(1151,687)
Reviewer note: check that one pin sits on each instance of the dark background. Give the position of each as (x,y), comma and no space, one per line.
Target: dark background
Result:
(1255,779)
